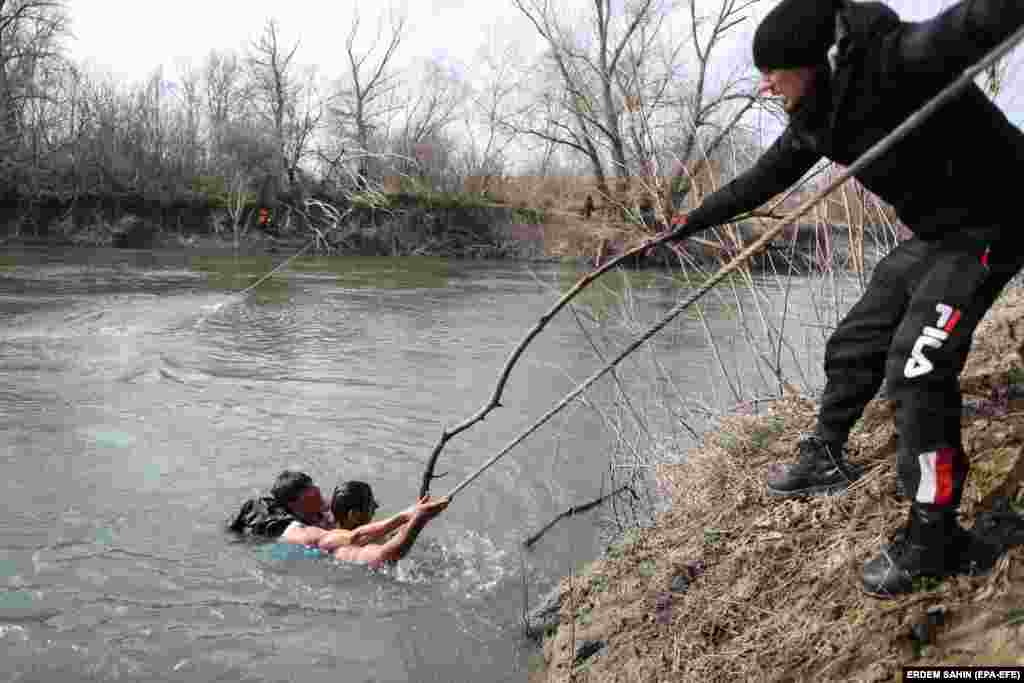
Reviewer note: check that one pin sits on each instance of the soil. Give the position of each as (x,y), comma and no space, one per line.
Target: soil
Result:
(730,584)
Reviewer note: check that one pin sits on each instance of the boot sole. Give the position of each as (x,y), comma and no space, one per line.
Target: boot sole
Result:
(969,566)
(886,595)
(820,490)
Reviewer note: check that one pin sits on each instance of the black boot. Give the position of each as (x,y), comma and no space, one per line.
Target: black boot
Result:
(820,469)
(932,544)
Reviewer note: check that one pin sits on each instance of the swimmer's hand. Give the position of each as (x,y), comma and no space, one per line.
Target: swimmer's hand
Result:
(678,230)
(407,513)
(428,507)
(359,536)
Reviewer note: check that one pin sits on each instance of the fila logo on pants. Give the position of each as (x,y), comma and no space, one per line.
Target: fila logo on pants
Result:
(931,337)
(936,485)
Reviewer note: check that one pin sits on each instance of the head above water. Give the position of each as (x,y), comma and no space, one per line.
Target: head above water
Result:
(353,504)
(299,494)
(791,46)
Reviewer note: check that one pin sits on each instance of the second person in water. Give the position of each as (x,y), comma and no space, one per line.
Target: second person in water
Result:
(356,538)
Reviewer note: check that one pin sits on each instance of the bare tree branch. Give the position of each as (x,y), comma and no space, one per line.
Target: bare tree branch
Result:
(575,510)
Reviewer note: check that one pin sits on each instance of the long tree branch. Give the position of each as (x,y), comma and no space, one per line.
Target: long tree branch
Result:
(876,151)
(499,389)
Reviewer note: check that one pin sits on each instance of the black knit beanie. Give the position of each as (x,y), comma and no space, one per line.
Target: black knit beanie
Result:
(796,33)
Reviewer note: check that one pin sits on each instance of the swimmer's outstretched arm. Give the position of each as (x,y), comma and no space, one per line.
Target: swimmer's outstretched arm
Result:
(396,548)
(366,533)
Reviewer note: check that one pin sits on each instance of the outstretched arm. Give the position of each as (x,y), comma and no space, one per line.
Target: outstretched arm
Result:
(366,533)
(780,166)
(397,547)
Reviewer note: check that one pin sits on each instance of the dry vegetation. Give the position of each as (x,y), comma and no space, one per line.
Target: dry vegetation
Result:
(775,584)
(568,230)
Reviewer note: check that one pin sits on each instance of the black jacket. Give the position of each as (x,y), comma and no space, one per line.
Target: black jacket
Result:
(261,517)
(960,168)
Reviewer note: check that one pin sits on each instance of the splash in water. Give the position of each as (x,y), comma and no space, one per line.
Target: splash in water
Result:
(470,564)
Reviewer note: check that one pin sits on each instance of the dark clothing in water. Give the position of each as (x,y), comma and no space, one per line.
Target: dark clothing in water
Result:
(264,517)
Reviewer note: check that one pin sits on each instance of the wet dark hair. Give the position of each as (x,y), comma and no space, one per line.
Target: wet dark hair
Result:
(290,485)
(352,495)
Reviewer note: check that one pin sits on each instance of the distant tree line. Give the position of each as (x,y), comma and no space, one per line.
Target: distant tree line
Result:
(628,96)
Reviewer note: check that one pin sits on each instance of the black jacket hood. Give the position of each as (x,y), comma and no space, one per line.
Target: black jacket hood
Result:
(867,19)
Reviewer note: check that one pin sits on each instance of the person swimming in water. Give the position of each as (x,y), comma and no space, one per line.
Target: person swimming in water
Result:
(295,513)
(356,505)
(358,539)
(295,506)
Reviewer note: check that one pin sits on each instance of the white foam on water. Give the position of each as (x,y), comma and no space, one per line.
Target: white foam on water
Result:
(469,564)
(127,315)
(208,311)
(13,632)
(214,307)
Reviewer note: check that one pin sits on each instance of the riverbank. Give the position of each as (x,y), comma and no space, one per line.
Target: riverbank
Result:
(397,225)
(404,224)
(730,584)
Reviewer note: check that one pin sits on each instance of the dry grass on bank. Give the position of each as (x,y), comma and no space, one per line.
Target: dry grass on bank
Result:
(568,234)
(779,598)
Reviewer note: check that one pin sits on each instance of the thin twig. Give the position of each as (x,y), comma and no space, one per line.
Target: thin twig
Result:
(575,510)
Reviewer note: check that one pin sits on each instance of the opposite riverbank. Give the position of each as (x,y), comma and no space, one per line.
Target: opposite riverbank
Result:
(377,225)
(404,224)
(732,585)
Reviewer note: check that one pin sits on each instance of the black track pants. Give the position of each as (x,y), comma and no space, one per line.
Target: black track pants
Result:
(913,327)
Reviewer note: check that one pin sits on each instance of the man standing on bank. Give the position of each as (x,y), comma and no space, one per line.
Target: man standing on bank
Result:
(848,73)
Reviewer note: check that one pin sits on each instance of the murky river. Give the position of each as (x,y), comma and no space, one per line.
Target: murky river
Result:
(140,404)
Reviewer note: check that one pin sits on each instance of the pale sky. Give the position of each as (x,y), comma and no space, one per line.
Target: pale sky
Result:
(130,39)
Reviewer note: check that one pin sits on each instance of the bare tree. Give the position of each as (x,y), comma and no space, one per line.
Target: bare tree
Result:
(188,146)
(488,139)
(422,145)
(305,115)
(622,98)
(30,31)
(704,106)
(73,128)
(148,131)
(275,85)
(363,98)
(588,65)
(105,111)
(225,99)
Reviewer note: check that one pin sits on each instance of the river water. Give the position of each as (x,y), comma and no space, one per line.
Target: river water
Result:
(141,403)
